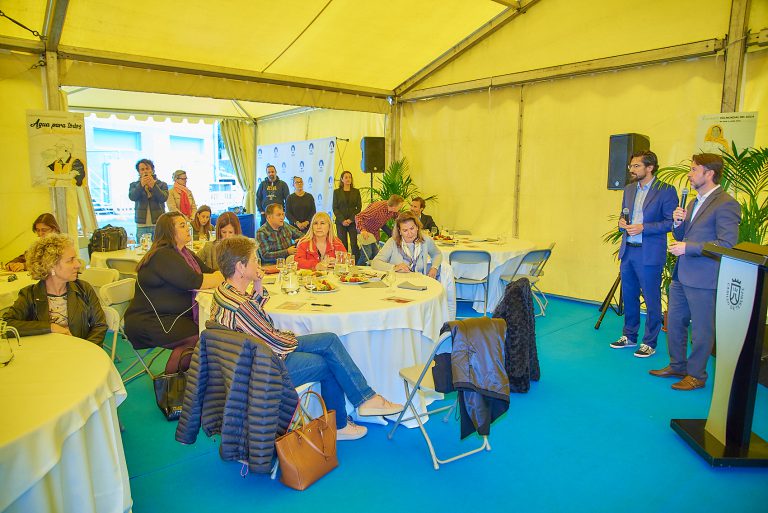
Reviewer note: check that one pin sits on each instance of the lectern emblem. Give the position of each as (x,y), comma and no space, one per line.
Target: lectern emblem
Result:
(735,294)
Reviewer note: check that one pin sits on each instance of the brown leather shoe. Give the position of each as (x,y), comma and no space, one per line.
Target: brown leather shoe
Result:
(666,372)
(688,383)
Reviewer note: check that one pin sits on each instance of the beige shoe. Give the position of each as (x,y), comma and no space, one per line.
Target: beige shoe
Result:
(378,406)
(351,431)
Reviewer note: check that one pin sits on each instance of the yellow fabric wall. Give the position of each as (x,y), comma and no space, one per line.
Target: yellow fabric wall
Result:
(20,89)
(756,92)
(316,124)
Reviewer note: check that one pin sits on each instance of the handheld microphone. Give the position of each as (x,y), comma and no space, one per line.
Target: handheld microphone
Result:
(683,198)
(625,215)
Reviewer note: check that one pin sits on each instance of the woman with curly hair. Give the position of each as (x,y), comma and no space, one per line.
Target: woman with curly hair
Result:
(59,302)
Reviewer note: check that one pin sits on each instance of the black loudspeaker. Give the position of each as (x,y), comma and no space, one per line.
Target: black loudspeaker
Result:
(373,154)
(620,151)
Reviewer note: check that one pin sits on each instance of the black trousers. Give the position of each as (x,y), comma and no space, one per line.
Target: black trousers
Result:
(351,231)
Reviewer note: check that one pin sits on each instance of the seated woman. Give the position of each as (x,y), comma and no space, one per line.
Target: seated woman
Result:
(45,224)
(227,225)
(163,311)
(201,223)
(320,242)
(317,357)
(409,250)
(59,302)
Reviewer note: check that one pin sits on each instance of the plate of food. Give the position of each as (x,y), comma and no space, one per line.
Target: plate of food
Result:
(353,279)
(324,287)
(311,272)
(372,275)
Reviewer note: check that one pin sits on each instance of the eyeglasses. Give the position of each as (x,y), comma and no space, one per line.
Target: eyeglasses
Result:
(182,178)
(635,166)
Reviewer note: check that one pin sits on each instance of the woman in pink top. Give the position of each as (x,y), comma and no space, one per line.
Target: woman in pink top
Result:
(319,243)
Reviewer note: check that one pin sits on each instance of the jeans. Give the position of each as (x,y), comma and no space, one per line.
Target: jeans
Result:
(141,230)
(367,253)
(321,357)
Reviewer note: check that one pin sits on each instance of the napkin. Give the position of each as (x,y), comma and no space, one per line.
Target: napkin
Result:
(410,286)
(373,285)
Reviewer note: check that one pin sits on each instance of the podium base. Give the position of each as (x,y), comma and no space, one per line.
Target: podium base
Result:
(717,454)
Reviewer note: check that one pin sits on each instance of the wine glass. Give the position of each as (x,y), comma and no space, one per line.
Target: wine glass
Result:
(311,286)
(433,231)
(212,235)
(389,279)
(280,264)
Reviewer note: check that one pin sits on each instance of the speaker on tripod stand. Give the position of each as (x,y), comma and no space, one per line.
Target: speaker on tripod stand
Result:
(372,161)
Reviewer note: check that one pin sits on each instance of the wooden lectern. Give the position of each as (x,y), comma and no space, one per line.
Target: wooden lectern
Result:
(725,437)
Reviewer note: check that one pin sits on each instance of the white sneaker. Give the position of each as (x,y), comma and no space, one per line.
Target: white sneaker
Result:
(351,431)
(377,405)
(622,343)
(645,351)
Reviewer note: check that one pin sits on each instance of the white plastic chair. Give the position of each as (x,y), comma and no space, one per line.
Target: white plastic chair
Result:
(115,298)
(97,277)
(469,258)
(125,266)
(532,267)
(419,378)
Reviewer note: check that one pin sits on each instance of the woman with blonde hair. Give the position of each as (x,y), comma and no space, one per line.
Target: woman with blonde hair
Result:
(59,302)
(409,249)
(320,242)
(227,225)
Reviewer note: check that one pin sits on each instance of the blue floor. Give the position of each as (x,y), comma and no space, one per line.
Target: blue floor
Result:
(593,435)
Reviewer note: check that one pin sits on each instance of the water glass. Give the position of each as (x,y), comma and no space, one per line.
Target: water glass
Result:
(389,279)
(280,264)
(212,235)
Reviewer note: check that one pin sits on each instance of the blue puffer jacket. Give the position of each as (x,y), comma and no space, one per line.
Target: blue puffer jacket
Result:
(238,388)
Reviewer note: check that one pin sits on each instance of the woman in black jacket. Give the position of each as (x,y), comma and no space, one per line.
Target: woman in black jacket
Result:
(59,302)
(163,311)
(346,205)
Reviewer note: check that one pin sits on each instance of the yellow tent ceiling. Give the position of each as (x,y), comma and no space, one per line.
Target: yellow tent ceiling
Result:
(370,46)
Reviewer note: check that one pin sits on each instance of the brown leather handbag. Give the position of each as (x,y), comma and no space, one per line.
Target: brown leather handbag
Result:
(308,452)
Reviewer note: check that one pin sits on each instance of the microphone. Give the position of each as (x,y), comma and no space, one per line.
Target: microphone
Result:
(683,198)
(625,215)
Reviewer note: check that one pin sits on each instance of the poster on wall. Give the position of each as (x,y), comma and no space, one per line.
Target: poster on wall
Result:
(56,148)
(717,132)
(313,160)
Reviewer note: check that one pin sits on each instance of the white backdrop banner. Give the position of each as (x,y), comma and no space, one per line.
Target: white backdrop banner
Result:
(56,148)
(312,160)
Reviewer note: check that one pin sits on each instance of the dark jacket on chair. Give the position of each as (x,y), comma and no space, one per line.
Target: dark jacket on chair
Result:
(521,360)
(29,314)
(238,388)
(477,366)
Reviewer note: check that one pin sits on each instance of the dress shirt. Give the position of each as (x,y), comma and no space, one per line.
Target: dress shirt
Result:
(637,211)
(274,243)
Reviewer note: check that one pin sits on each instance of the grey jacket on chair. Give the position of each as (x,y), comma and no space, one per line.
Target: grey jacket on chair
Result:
(238,388)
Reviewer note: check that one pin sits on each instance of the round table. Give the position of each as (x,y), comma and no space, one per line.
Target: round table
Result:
(60,443)
(505,257)
(381,336)
(9,290)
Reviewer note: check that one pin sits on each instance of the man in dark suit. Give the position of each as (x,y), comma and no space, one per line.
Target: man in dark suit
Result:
(714,218)
(643,250)
(417,208)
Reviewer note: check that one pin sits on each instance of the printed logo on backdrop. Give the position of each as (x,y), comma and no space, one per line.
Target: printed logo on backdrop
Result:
(56,148)
(258,153)
(331,147)
(293,150)
(330,182)
(282,168)
(309,182)
(275,152)
(311,148)
(321,166)
(301,167)
(320,199)
(735,294)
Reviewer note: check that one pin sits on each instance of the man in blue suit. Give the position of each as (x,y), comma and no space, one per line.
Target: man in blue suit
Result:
(643,250)
(715,218)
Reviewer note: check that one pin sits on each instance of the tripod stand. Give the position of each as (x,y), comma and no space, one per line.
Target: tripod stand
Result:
(607,302)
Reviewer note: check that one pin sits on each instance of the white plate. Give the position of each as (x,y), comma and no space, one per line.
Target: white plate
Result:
(335,289)
(353,282)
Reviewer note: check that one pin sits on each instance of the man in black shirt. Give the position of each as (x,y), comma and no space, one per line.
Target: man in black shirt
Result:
(271,190)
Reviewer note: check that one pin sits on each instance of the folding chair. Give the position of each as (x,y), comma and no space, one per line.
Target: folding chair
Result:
(469,258)
(125,266)
(419,377)
(117,296)
(98,276)
(534,261)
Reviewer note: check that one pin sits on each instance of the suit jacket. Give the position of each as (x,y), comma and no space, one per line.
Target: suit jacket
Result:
(658,206)
(717,221)
(427,222)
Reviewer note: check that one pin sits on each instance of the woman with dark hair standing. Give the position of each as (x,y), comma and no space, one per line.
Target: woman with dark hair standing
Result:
(227,225)
(347,203)
(163,311)
(45,224)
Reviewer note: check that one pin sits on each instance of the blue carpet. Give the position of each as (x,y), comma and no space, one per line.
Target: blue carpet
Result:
(593,435)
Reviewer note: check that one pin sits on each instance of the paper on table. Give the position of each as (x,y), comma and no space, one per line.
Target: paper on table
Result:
(410,286)
(373,285)
(291,305)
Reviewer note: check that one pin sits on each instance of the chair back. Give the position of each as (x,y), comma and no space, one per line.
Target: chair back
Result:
(470,257)
(125,266)
(112,317)
(118,294)
(535,260)
(97,277)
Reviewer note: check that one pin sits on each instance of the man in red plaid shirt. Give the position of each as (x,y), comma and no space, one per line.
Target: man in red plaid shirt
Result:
(371,220)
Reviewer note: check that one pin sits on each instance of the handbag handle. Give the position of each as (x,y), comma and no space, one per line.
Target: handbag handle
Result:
(300,409)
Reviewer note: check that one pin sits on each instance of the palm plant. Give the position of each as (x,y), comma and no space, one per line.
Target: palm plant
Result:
(395,180)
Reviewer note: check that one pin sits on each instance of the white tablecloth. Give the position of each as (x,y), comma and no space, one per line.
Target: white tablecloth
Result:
(99,258)
(504,259)
(60,443)
(380,336)
(9,290)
